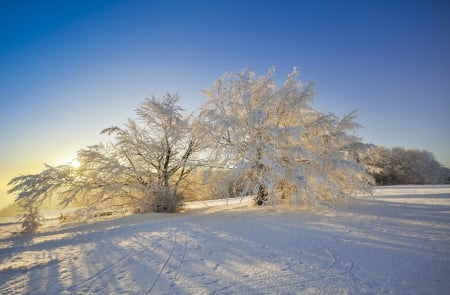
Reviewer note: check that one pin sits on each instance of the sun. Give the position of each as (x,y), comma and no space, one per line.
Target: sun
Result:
(70,161)
(74,163)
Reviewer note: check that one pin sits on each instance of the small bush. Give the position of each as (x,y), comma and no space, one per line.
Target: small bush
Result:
(166,201)
(31,220)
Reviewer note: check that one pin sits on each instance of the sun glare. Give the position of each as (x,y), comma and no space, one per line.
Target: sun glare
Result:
(71,160)
(74,163)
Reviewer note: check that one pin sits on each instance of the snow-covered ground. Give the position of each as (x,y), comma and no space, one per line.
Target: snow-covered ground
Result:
(397,242)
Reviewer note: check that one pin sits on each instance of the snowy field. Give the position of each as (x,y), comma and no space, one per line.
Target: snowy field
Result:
(397,242)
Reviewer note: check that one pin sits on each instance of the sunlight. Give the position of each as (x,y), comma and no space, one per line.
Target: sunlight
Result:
(70,160)
(74,163)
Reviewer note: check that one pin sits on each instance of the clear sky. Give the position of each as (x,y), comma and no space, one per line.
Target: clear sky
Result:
(68,69)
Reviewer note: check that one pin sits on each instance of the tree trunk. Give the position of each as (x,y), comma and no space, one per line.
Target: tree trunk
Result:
(261,197)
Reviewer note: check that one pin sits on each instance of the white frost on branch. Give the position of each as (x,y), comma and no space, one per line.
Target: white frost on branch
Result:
(273,138)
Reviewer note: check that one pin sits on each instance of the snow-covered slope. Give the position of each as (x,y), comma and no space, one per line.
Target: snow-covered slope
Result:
(397,242)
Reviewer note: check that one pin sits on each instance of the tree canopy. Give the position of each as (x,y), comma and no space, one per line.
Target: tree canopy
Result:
(265,140)
(401,165)
(276,145)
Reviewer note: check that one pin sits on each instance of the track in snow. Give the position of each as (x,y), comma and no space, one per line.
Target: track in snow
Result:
(169,257)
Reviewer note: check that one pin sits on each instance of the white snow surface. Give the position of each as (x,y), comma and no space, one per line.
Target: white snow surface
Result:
(396,242)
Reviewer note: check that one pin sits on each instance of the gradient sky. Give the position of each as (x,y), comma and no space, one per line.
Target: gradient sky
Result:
(68,69)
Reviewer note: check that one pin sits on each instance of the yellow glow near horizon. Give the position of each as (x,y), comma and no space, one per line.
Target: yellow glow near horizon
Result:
(70,160)
(74,163)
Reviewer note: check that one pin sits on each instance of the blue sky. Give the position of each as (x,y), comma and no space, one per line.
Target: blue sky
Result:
(68,69)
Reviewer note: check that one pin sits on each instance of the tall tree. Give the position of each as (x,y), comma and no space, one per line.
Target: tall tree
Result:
(276,145)
(160,154)
(141,167)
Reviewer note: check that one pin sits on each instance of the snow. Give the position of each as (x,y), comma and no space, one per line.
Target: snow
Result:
(396,242)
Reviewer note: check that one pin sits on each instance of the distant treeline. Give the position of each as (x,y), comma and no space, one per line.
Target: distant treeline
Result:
(14,210)
(404,166)
(11,210)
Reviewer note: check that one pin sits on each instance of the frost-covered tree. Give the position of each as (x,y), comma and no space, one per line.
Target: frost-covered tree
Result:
(33,189)
(275,145)
(141,167)
(157,156)
(406,166)
(366,155)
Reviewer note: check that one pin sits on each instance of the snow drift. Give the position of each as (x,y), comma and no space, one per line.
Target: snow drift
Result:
(397,242)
